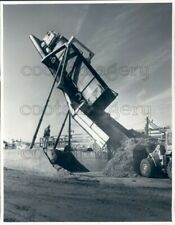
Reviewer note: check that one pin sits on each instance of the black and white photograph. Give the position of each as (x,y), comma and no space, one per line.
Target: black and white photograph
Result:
(87,112)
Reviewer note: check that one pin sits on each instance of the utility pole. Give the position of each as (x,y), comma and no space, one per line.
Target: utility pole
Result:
(69,131)
(147,126)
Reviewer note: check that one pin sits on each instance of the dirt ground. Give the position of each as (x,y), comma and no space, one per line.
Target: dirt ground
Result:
(35,191)
(87,197)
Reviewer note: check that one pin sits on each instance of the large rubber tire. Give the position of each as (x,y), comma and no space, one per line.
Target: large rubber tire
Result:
(147,168)
(169,169)
(139,153)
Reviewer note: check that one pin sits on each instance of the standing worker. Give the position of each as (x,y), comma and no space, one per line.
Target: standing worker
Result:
(46,136)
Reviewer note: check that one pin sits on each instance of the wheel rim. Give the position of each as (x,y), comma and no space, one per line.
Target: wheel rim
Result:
(145,168)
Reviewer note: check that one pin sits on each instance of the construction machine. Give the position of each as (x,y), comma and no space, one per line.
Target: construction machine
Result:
(86,93)
(154,159)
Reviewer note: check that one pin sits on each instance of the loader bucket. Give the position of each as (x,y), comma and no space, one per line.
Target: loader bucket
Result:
(68,161)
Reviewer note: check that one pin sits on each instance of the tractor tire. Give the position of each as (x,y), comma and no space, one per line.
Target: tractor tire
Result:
(169,169)
(139,153)
(147,168)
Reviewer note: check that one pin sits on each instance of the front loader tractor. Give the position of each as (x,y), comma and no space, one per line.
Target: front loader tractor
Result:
(154,160)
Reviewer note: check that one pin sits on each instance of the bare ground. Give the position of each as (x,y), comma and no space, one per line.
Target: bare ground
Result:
(88,197)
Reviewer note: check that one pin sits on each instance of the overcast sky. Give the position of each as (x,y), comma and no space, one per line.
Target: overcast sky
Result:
(132,46)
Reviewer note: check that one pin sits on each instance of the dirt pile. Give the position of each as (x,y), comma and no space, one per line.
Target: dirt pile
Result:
(121,165)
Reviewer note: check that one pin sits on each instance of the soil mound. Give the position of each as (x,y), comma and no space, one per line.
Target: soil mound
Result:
(121,165)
